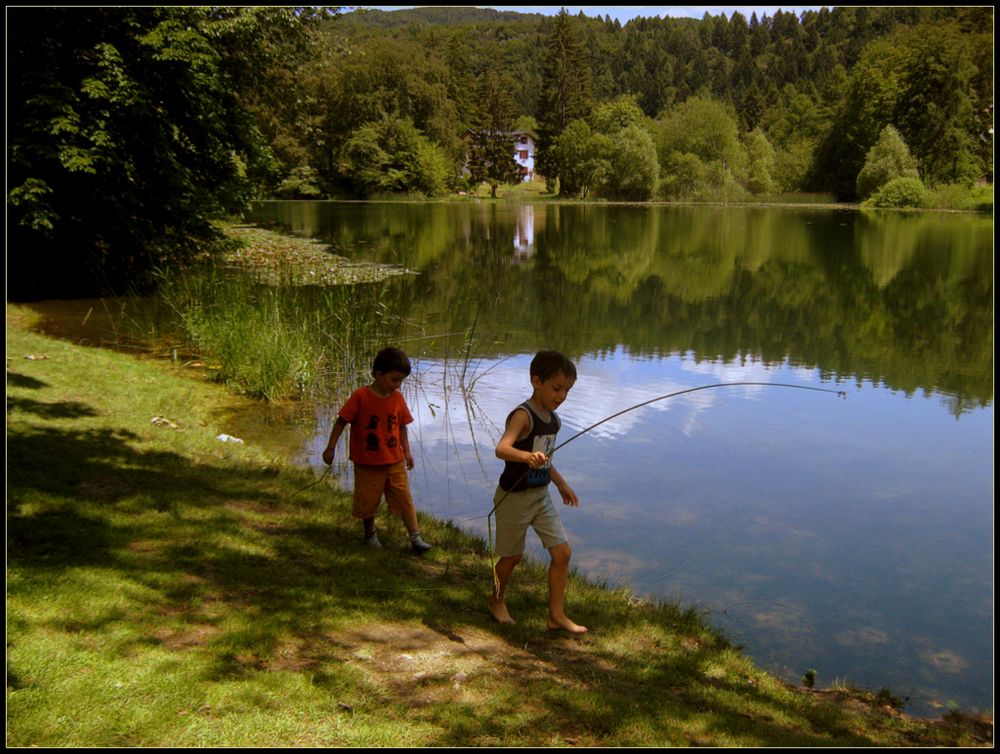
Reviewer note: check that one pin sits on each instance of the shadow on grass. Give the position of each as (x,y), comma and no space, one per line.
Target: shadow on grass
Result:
(15,379)
(58,410)
(236,566)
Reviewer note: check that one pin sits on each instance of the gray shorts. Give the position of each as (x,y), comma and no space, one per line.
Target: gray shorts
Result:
(516,511)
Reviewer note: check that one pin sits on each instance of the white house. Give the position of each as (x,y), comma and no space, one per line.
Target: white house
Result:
(524,153)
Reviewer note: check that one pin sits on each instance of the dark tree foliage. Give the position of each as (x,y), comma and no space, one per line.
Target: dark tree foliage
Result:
(127,136)
(566,89)
(924,80)
(491,148)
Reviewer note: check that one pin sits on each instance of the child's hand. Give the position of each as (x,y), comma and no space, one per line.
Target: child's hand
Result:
(328,456)
(537,459)
(569,497)
(409,461)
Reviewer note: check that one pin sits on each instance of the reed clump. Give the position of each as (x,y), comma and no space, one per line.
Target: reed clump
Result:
(268,339)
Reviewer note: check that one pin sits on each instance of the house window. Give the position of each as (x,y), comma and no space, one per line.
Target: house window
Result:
(524,139)
(524,154)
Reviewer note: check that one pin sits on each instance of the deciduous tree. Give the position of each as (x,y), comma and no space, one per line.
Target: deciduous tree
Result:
(889,158)
(760,163)
(128,135)
(390,155)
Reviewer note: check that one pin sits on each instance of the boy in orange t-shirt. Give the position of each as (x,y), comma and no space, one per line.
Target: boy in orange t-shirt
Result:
(379,446)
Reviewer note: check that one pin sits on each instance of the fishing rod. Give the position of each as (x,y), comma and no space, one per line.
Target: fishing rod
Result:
(838,393)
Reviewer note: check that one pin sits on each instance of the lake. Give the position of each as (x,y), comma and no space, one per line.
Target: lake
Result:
(849,535)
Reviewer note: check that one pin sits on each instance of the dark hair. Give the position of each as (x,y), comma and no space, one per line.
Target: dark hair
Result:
(391,360)
(547,363)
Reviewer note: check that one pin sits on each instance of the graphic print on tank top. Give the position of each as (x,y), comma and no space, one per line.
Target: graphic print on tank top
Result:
(541,437)
(540,476)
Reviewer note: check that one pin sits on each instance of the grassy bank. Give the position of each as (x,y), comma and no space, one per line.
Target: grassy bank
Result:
(948,198)
(166,588)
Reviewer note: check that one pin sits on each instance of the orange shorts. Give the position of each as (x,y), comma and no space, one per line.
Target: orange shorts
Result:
(371,482)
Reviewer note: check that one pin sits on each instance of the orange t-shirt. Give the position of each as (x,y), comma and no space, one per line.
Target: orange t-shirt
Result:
(375,423)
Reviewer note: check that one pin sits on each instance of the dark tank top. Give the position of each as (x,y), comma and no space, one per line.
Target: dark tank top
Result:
(517,476)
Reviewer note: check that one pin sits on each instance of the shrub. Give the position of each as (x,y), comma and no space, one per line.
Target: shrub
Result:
(958,196)
(301,183)
(899,192)
(890,158)
(683,176)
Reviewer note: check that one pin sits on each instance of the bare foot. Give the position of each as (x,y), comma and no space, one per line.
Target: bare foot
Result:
(565,624)
(499,611)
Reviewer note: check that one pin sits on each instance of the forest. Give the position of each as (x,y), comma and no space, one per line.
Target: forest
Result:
(134,131)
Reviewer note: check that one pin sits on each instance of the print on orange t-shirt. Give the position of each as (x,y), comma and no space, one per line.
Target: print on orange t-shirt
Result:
(375,423)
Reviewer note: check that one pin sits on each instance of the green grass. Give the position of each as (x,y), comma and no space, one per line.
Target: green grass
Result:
(165,589)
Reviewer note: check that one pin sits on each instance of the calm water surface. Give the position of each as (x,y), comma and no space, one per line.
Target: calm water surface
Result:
(853,536)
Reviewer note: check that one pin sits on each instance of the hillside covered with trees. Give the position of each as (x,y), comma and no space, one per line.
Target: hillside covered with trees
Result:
(130,130)
(669,108)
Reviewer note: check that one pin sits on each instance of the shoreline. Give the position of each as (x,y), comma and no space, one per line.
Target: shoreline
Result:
(534,198)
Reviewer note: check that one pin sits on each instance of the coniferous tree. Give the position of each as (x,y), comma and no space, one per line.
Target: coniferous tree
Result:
(739,35)
(461,81)
(566,90)
(759,37)
(491,153)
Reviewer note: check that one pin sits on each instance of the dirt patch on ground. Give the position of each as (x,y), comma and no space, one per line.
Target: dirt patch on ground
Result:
(399,653)
(426,665)
(187,638)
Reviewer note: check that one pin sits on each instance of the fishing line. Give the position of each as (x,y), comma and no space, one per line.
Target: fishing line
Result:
(493,561)
(312,484)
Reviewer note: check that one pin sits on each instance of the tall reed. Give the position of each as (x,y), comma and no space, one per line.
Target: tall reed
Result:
(269,341)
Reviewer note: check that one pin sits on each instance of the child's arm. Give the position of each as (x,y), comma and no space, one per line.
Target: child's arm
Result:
(404,441)
(518,427)
(569,497)
(331,445)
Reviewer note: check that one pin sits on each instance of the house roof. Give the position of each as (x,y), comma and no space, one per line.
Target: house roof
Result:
(517,132)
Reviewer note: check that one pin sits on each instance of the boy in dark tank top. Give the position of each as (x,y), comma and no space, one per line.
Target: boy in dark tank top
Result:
(522,498)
